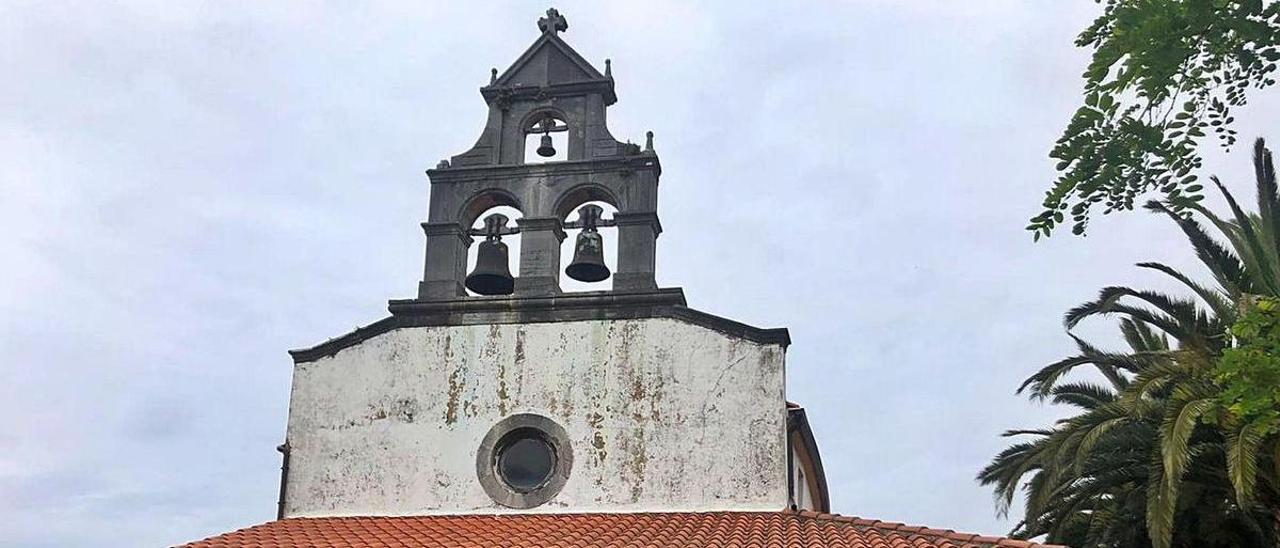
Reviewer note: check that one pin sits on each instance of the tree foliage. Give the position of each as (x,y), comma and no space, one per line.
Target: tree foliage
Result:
(1164,76)
(1249,372)
(1180,446)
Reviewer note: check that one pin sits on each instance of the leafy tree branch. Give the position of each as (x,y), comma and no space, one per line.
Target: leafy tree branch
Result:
(1165,76)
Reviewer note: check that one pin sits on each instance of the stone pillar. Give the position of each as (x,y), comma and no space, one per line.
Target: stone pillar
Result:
(446,262)
(540,239)
(637,249)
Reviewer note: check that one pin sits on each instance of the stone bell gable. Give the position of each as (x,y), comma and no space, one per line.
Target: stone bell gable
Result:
(624,397)
(550,88)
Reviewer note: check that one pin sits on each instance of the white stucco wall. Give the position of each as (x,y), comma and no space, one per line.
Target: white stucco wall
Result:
(661,415)
(802,497)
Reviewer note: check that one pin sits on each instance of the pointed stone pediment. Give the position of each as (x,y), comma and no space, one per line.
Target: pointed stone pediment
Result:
(549,61)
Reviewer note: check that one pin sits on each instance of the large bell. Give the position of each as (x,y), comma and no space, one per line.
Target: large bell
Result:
(588,252)
(492,276)
(546,150)
(588,258)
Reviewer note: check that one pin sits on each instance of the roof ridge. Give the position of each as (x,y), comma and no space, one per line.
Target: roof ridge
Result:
(921,530)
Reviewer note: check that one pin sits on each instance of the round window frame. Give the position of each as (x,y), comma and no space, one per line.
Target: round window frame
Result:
(496,439)
(506,442)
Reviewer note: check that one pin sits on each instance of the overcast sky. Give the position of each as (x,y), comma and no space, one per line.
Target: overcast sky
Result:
(187,190)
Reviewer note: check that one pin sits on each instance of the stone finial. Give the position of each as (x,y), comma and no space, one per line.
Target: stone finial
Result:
(493,75)
(553,22)
(608,68)
(648,141)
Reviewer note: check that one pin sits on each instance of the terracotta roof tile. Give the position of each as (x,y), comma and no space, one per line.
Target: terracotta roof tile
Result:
(640,530)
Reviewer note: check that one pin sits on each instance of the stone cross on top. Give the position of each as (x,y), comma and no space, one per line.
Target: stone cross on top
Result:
(553,22)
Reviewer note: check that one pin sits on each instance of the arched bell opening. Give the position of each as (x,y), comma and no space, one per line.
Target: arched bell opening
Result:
(590,255)
(493,259)
(546,138)
(476,207)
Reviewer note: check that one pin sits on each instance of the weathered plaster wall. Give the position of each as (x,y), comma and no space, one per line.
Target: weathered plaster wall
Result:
(801,496)
(661,414)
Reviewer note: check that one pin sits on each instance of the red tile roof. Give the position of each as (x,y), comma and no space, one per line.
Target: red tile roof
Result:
(684,530)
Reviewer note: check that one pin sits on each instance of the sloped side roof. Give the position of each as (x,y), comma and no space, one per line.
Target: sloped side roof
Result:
(686,530)
(799,430)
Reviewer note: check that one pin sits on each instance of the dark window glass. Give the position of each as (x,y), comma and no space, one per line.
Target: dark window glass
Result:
(526,461)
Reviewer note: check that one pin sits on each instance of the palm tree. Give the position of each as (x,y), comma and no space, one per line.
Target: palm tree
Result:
(1153,458)
(1087,473)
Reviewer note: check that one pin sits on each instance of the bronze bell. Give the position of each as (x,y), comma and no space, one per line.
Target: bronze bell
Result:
(546,150)
(588,251)
(588,258)
(492,275)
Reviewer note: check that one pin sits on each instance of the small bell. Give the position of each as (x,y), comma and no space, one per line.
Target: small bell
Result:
(492,275)
(588,251)
(546,150)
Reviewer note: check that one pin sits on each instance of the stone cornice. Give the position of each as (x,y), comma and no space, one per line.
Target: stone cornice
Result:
(649,218)
(444,229)
(645,161)
(566,307)
(603,86)
(549,224)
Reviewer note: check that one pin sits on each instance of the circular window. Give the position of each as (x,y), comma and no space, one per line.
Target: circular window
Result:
(524,461)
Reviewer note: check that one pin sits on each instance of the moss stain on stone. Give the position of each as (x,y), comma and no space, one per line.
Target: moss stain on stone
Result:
(596,421)
(455,383)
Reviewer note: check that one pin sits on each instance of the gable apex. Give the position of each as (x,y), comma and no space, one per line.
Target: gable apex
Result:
(549,61)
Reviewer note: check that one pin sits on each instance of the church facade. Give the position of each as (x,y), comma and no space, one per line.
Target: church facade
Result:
(500,409)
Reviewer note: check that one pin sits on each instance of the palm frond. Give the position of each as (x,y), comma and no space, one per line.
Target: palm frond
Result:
(1007,469)
(1042,382)
(1085,395)
(1251,244)
(1026,432)
(1109,364)
(1107,304)
(1268,194)
(1242,460)
(1141,337)
(1226,267)
(1176,432)
(1091,439)
(1219,302)
(1161,506)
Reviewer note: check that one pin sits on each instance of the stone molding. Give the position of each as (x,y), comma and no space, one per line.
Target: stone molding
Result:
(644,161)
(564,307)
